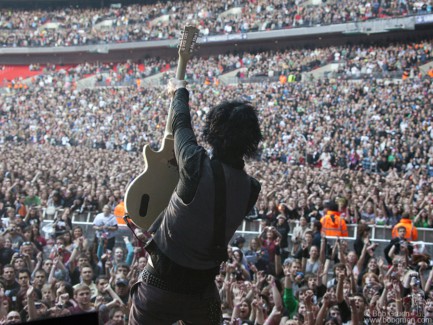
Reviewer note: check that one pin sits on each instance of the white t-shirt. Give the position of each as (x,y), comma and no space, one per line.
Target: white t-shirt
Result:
(102,220)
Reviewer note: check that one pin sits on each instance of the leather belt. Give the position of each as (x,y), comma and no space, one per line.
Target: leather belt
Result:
(147,276)
(154,281)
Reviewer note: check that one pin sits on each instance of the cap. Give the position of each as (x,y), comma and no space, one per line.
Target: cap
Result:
(122,282)
(281,216)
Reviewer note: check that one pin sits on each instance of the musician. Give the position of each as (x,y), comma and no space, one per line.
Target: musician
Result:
(178,282)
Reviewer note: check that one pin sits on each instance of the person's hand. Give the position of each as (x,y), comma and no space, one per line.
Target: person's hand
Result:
(253,267)
(174,84)
(374,299)
(308,300)
(422,266)
(261,277)
(81,240)
(341,277)
(255,304)
(99,300)
(143,236)
(230,268)
(39,257)
(380,263)
(352,303)
(270,279)
(29,292)
(105,288)
(349,271)
(343,245)
(64,298)
(327,299)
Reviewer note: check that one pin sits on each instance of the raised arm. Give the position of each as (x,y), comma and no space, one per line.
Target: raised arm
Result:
(418,216)
(31,309)
(428,284)
(289,299)
(323,309)
(354,315)
(278,301)
(340,285)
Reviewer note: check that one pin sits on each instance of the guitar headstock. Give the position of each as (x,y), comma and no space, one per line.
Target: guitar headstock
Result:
(187,41)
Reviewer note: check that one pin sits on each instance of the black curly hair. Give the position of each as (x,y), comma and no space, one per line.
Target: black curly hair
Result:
(232,129)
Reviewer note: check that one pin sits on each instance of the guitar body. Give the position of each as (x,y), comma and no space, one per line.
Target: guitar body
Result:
(149,193)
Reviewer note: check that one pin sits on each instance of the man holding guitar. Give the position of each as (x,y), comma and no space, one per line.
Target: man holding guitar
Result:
(211,198)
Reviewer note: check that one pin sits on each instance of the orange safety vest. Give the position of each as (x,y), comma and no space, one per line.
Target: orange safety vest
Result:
(411,231)
(119,213)
(283,79)
(336,227)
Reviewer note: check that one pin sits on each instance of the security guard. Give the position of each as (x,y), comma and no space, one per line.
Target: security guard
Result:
(332,223)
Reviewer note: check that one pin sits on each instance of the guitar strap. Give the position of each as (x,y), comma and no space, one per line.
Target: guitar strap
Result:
(219,233)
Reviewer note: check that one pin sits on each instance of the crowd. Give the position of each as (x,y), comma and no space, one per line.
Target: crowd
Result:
(75,26)
(392,61)
(368,147)
(400,60)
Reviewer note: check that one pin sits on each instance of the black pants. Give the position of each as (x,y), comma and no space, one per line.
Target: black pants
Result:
(155,306)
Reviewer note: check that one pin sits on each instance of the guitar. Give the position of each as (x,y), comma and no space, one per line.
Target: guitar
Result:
(149,194)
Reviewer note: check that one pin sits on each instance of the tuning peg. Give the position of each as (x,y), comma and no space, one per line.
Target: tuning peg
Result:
(195,48)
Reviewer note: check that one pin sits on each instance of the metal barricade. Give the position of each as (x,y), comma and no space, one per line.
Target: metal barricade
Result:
(248,229)
(379,234)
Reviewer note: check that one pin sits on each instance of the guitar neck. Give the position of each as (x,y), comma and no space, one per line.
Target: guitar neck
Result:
(180,75)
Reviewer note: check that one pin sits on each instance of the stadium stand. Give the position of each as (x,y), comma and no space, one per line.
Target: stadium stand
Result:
(350,123)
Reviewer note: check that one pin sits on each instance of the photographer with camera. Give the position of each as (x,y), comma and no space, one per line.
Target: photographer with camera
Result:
(398,245)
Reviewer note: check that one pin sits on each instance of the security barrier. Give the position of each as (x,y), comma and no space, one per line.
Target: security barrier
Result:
(248,229)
